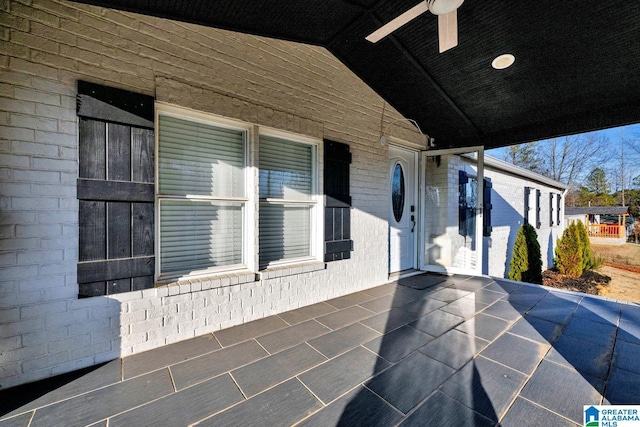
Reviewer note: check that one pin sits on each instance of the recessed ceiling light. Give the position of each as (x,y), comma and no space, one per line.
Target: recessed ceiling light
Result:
(503,61)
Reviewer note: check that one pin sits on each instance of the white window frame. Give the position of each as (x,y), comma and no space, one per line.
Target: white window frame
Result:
(251,199)
(248,233)
(316,238)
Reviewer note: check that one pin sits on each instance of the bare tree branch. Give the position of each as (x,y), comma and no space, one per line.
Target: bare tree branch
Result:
(570,158)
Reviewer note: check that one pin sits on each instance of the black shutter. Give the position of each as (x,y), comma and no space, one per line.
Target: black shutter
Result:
(558,202)
(527,190)
(115,190)
(538,209)
(487,206)
(337,212)
(463,179)
(551,210)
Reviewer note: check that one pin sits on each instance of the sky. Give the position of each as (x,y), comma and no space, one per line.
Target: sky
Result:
(632,158)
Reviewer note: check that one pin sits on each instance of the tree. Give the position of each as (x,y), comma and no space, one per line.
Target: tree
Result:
(569,252)
(564,159)
(636,229)
(634,144)
(633,201)
(572,159)
(584,197)
(526,260)
(589,261)
(597,182)
(534,275)
(524,155)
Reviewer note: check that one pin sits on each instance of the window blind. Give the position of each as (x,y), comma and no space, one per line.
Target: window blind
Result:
(196,235)
(284,232)
(285,169)
(199,159)
(286,175)
(198,162)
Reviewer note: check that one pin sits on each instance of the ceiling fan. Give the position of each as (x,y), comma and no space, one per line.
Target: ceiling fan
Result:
(447,11)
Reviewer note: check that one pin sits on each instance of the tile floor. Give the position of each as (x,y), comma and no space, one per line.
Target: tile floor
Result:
(427,350)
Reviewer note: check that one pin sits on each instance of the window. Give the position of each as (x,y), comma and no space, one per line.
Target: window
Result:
(532,206)
(467,202)
(558,208)
(397,192)
(201,195)
(213,214)
(551,210)
(287,189)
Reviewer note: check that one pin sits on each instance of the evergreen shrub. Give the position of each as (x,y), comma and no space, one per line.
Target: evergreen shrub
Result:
(526,260)
(589,260)
(569,252)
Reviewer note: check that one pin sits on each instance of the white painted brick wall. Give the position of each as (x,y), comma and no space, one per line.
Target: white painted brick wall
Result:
(507,213)
(508,216)
(47,45)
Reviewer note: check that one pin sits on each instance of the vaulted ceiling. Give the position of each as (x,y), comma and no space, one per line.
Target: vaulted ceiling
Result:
(577,64)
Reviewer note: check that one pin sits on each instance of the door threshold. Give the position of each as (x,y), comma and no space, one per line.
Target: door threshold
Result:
(397,275)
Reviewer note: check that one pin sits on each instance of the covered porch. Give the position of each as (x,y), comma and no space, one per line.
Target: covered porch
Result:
(301,73)
(456,350)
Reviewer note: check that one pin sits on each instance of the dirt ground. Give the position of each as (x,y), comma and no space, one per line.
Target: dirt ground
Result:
(627,256)
(619,278)
(622,264)
(624,285)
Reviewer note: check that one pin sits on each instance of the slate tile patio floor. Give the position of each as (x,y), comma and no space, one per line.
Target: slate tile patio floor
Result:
(427,350)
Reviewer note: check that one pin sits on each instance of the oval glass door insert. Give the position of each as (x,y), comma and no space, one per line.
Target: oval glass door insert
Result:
(397,192)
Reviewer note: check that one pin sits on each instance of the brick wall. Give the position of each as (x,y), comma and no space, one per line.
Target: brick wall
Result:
(46,47)
(508,215)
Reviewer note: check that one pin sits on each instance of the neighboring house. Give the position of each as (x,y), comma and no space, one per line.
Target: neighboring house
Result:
(162,180)
(606,225)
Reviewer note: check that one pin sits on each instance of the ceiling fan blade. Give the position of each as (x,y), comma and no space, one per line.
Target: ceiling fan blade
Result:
(398,22)
(448,30)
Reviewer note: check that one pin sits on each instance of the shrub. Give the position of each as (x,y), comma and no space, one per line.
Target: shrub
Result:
(588,257)
(589,260)
(569,252)
(534,275)
(526,260)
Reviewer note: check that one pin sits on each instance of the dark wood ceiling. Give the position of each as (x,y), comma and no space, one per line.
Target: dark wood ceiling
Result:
(577,61)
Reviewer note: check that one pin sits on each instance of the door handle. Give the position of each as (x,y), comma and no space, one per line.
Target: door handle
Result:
(413,221)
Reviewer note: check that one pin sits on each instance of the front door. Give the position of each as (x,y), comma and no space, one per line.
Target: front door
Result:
(402,209)
(451,210)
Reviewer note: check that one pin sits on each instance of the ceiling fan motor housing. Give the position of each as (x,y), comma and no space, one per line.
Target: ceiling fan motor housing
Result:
(442,7)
